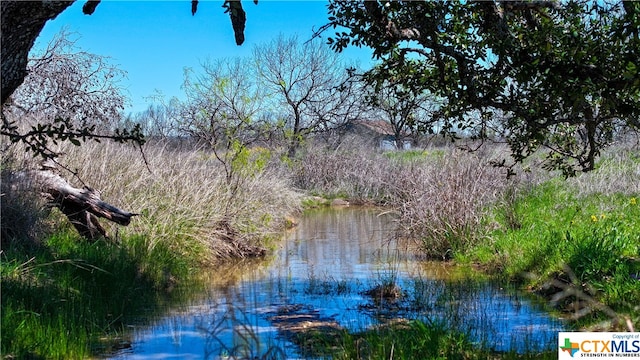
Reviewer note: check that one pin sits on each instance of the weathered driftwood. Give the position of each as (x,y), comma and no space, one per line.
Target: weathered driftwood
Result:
(81,206)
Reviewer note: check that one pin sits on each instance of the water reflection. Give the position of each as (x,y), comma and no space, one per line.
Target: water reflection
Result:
(325,270)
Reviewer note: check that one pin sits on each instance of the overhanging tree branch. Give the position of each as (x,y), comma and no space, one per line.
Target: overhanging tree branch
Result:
(561,74)
(39,138)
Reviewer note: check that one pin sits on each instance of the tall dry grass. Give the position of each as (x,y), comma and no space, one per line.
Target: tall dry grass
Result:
(443,201)
(184,194)
(23,212)
(440,194)
(183,198)
(617,172)
(358,173)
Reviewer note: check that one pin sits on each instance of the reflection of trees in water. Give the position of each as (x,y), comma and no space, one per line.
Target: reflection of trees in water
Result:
(325,241)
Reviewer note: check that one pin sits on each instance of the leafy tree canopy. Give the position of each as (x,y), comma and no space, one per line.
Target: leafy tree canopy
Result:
(563,76)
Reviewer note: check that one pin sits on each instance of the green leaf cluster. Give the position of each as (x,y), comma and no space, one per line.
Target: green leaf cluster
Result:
(40,137)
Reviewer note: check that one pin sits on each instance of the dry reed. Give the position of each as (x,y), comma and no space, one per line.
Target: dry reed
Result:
(23,212)
(440,194)
(617,172)
(183,198)
(443,201)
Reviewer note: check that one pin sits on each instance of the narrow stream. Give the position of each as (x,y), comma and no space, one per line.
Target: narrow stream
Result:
(325,270)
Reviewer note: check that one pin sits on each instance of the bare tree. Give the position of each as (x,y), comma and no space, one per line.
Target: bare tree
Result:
(222,108)
(308,84)
(68,94)
(66,82)
(156,122)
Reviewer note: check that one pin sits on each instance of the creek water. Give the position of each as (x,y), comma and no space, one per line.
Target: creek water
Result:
(324,270)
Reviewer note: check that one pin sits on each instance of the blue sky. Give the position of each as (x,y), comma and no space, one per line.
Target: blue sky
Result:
(154,40)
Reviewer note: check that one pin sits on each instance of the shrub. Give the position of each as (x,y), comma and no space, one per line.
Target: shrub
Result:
(442,201)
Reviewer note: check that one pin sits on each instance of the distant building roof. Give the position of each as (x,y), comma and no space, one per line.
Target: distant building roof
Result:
(378,126)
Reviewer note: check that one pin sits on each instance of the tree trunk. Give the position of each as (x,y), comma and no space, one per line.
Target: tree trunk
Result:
(22,22)
(81,206)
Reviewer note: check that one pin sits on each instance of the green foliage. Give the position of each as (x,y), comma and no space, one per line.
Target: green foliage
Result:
(406,341)
(222,109)
(557,76)
(249,162)
(40,137)
(312,202)
(409,156)
(605,254)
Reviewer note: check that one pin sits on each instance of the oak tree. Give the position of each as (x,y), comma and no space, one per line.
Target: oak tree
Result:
(563,75)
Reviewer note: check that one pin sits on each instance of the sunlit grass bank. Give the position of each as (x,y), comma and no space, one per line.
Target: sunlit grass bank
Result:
(576,241)
(590,244)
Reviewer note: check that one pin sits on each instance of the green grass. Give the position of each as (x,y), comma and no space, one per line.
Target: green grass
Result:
(550,232)
(63,296)
(405,340)
(409,156)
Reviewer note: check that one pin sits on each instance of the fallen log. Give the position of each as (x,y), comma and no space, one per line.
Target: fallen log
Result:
(82,207)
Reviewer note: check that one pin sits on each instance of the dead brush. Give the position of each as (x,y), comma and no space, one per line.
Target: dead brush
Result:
(23,212)
(183,197)
(442,201)
(357,173)
(617,172)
